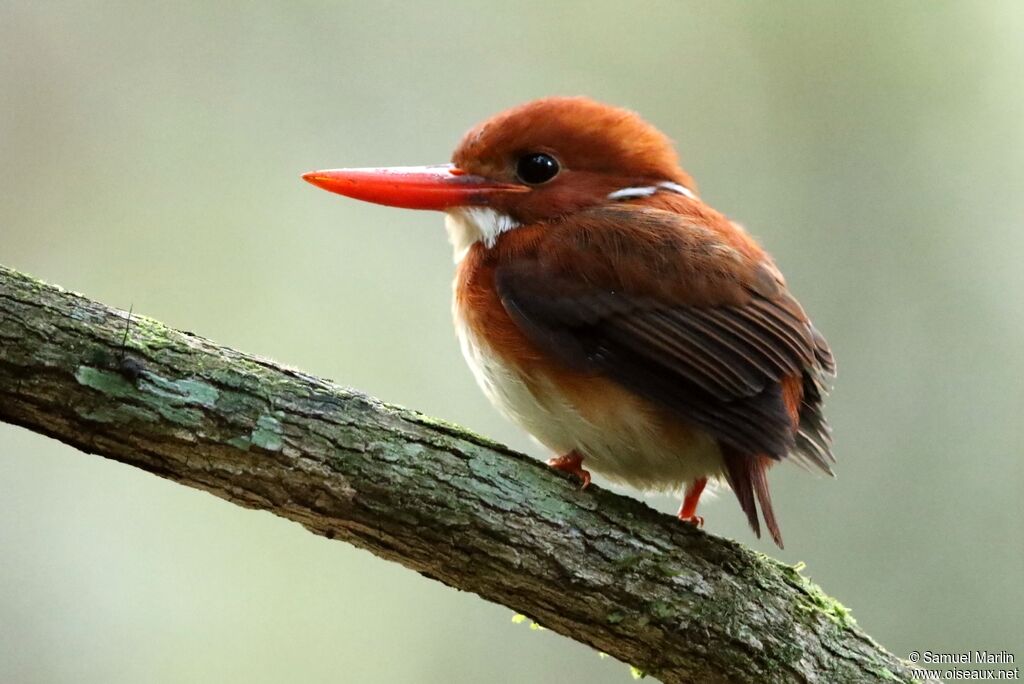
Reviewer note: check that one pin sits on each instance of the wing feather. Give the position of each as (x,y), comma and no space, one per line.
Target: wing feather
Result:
(711,337)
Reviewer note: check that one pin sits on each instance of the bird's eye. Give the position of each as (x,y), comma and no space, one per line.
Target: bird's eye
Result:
(536,168)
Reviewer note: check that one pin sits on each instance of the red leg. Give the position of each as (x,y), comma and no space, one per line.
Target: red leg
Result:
(688,511)
(571,463)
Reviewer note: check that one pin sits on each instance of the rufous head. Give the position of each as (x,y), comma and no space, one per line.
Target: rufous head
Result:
(572,152)
(536,162)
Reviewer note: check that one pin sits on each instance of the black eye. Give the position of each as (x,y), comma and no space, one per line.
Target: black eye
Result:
(536,168)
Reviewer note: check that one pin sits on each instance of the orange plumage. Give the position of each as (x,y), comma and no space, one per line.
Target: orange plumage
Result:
(605,308)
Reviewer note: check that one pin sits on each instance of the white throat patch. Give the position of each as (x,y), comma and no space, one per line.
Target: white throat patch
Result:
(467,225)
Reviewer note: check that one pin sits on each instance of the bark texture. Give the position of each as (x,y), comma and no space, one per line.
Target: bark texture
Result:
(603,569)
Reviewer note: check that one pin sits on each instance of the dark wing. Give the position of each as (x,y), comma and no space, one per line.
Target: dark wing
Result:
(675,312)
(692,318)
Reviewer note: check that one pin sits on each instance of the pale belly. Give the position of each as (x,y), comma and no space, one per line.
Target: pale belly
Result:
(620,436)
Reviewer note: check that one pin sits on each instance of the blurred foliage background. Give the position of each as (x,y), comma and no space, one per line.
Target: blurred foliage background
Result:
(150,155)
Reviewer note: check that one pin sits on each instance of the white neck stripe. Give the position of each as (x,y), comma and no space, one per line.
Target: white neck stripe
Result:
(676,187)
(630,193)
(648,190)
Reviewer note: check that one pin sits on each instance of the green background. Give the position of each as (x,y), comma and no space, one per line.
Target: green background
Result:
(150,155)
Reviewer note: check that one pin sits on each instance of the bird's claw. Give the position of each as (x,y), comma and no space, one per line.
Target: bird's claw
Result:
(695,520)
(571,463)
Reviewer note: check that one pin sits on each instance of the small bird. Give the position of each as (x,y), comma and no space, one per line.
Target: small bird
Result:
(606,309)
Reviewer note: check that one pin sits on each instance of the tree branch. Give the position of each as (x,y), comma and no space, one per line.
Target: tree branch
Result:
(602,569)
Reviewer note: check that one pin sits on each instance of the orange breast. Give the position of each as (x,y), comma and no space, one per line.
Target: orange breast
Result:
(480,307)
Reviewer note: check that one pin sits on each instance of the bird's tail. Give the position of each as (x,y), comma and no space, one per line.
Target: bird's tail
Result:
(748,476)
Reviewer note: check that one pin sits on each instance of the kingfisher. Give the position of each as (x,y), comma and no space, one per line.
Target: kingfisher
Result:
(628,326)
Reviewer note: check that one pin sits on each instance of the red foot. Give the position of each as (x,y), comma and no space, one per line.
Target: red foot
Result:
(571,463)
(688,511)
